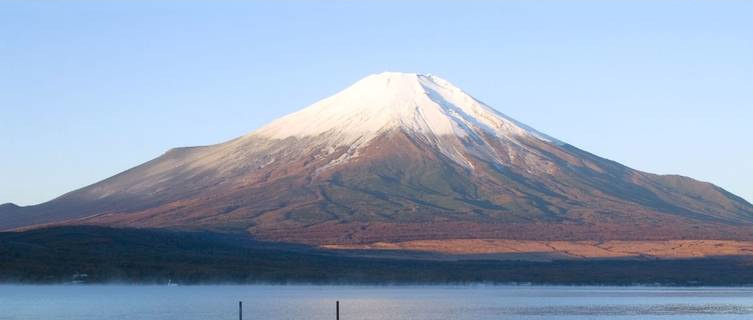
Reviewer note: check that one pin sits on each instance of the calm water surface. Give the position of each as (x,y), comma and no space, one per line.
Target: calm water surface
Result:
(110,302)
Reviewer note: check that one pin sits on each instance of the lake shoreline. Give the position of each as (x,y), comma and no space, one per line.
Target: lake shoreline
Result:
(106,255)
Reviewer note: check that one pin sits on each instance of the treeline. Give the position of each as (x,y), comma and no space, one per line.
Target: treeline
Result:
(57,255)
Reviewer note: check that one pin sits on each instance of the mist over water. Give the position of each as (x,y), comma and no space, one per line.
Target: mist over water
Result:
(110,302)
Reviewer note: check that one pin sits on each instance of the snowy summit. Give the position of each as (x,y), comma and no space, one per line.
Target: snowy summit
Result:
(420,104)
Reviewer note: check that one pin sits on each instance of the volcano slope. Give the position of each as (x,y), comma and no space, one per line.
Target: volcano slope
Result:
(398,157)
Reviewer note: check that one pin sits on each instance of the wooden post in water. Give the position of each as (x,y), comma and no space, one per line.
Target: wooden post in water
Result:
(240,310)
(337,310)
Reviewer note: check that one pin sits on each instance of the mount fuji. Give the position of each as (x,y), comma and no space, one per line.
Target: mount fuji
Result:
(398,157)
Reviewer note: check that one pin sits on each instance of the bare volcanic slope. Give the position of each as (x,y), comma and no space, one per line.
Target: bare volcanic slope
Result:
(399,157)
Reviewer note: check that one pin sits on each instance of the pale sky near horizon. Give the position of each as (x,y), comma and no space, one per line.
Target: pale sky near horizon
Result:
(89,89)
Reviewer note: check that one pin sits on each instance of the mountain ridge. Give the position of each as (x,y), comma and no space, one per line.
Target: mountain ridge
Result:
(398,157)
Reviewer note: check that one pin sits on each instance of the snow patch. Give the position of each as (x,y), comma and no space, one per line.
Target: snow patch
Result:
(424,105)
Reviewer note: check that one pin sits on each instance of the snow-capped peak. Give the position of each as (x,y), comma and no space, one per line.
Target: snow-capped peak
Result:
(417,103)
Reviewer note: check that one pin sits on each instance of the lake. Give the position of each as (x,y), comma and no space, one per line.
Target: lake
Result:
(272,302)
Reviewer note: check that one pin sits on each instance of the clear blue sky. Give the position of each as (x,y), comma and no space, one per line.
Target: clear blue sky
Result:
(91,88)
